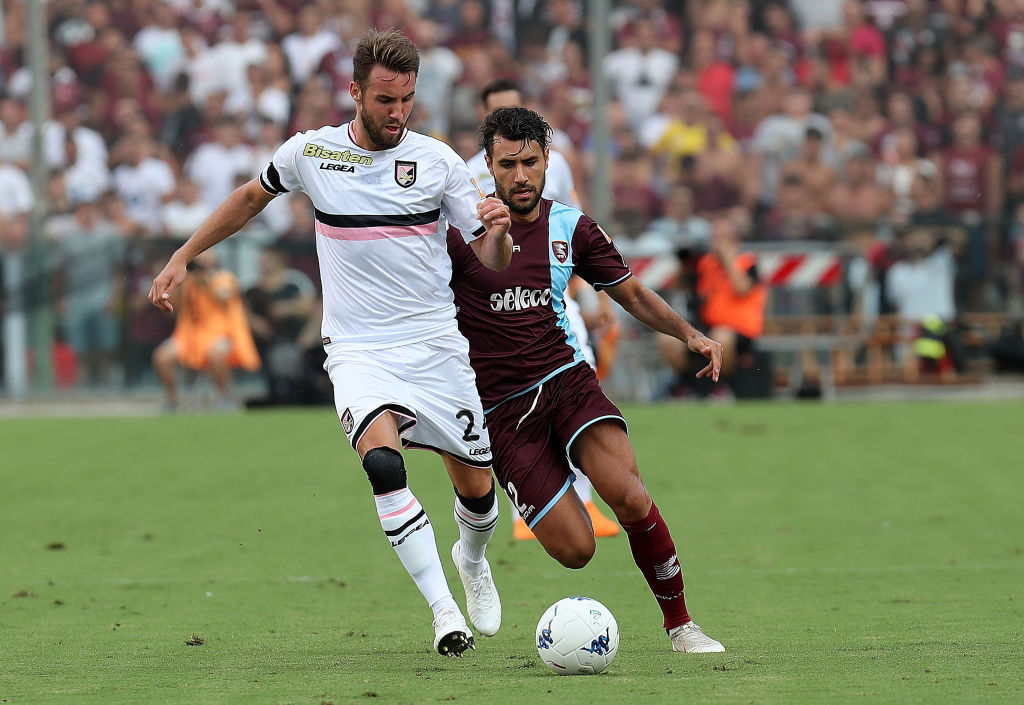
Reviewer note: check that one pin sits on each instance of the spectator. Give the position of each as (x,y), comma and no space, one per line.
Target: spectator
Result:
(921,282)
(215,166)
(857,202)
(678,228)
(470,35)
(84,179)
(905,174)
(640,73)
(817,176)
(440,69)
(90,148)
(180,216)
(778,138)
(143,181)
(15,206)
(722,180)
(636,202)
(282,310)
(160,46)
(1009,127)
(970,177)
(183,122)
(15,133)
(308,45)
(902,114)
(730,300)
(714,77)
(89,253)
(211,334)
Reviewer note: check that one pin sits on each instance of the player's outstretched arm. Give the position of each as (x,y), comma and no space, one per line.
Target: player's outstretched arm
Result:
(651,310)
(494,247)
(229,217)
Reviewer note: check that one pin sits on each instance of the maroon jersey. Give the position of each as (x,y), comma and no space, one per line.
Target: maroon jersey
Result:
(965,178)
(519,335)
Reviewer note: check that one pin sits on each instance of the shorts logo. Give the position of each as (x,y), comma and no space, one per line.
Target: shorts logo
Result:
(524,511)
(347,422)
(405,173)
(560,249)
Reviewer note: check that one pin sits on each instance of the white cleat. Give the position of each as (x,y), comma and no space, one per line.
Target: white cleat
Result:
(482,601)
(691,639)
(451,633)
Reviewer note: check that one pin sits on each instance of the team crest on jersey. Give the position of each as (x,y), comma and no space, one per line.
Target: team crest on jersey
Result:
(560,249)
(405,173)
(347,422)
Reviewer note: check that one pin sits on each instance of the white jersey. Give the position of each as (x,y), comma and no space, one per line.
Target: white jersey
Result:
(384,265)
(558,182)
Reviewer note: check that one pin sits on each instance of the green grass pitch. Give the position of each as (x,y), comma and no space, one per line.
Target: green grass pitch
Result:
(853,553)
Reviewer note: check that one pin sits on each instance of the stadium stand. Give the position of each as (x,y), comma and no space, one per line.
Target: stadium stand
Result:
(844,123)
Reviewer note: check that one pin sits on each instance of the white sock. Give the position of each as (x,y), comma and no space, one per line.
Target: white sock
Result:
(411,535)
(475,530)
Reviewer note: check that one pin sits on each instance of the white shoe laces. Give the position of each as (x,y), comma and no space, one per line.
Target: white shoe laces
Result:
(482,589)
(446,616)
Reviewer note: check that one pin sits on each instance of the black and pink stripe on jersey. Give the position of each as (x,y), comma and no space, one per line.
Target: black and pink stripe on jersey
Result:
(379,227)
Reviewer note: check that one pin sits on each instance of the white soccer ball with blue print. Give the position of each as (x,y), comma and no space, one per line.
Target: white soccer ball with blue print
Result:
(577,636)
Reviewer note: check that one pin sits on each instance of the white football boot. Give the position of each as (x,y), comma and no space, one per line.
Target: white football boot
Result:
(482,601)
(451,633)
(689,638)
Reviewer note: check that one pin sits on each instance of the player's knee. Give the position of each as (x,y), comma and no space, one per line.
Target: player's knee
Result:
(385,469)
(630,503)
(576,554)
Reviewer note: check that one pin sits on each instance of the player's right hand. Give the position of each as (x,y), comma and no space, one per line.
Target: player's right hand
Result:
(165,284)
(495,216)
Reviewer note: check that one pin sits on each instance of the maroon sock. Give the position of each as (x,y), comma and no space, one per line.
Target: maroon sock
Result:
(655,555)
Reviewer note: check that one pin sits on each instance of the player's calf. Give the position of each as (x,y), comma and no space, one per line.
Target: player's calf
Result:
(407,527)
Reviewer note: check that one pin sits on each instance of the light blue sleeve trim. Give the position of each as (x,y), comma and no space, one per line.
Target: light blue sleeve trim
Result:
(565,488)
(617,281)
(591,423)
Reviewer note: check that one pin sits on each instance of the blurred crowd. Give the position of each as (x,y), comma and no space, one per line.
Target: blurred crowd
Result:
(892,126)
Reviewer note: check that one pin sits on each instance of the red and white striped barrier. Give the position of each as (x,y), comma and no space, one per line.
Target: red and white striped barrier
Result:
(780,269)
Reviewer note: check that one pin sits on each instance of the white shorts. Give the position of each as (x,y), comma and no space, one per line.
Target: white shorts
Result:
(428,386)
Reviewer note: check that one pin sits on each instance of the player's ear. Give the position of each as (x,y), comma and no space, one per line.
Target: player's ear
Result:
(355,91)
(547,157)
(490,165)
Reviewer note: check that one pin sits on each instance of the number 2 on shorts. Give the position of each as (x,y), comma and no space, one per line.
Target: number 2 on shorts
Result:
(470,421)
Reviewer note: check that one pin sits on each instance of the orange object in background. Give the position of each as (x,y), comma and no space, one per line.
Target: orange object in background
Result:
(212,311)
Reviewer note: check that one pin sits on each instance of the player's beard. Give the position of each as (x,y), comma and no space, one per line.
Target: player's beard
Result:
(519,207)
(376,132)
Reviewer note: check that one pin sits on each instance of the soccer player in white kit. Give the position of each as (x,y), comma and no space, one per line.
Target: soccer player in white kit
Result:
(399,365)
(560,186)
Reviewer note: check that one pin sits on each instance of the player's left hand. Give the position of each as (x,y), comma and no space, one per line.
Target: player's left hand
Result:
(495,216)
(703,345)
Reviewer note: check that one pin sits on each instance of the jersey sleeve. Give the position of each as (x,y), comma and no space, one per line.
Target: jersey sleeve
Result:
(458,203)
(280,175)
(457,251)
(597,260)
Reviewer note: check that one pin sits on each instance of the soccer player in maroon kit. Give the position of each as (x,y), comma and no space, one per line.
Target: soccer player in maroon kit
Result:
(541,399)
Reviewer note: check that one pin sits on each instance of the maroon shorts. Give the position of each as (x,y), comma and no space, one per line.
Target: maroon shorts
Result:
(532,435)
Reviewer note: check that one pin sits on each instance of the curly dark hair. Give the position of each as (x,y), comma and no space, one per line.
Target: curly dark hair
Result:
(514,124)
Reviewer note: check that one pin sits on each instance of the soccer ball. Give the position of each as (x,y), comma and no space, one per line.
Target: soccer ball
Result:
(577,636)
